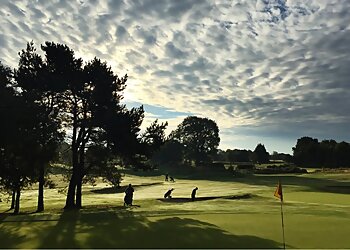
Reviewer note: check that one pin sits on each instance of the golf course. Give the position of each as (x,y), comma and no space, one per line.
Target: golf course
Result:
(229,212)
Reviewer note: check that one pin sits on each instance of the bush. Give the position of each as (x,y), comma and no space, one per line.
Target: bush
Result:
(282,169)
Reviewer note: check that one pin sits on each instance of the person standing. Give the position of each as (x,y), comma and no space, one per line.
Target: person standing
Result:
(193,195)
(129,193)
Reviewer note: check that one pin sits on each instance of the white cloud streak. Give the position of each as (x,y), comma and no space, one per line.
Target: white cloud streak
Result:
(267,65)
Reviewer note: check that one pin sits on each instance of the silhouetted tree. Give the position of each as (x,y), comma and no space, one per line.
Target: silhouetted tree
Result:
(7,97)
(260,155)
(154,137)
(238,155)
(342,154)
(170,153)
(20,141)
(64,154)
(327,153)
(91,94)
(281,156)
(32,78)
(200,137)
(307,152)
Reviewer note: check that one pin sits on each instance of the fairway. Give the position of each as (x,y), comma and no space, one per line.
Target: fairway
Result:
(229,213)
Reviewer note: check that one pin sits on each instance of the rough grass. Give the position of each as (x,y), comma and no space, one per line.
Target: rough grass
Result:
(229,213)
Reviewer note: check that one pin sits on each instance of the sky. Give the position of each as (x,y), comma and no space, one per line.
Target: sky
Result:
(267,71)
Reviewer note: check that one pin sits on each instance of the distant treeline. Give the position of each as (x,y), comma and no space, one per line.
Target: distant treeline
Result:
(309,152)
(259,155)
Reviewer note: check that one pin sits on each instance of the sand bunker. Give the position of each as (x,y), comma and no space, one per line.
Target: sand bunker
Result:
(230,197)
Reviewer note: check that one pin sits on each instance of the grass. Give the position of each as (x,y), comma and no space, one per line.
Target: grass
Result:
(316,214)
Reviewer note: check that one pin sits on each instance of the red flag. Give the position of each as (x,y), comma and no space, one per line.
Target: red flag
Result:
(278,192)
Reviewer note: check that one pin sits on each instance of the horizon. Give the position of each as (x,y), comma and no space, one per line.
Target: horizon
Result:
(266,72)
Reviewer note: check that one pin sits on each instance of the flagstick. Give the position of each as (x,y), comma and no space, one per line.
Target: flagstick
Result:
(284,244)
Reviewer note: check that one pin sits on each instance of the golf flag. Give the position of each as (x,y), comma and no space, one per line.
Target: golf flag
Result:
(278,192)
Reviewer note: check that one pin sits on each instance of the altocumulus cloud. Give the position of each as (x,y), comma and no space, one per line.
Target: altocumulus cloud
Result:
(266,70)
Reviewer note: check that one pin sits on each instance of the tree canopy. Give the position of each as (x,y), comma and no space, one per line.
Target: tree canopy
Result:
(309,152)
(59,92)
(260,155)
(200,138)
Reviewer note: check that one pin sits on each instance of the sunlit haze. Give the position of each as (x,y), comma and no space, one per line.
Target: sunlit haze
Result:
(266,71)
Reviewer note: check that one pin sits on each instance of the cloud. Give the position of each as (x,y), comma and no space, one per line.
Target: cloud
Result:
(273,69)
(172,51)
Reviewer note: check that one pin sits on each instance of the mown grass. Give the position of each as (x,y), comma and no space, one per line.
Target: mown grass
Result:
(316,215)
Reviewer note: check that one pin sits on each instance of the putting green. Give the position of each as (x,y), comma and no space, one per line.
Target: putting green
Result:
(316,215)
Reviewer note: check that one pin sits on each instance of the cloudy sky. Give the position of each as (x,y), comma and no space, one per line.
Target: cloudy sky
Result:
(267,71)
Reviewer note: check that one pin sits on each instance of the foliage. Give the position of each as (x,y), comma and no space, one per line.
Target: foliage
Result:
(170,153)
(309,152)
(59,91)
(238,155)
(260,155)
(154,137)
(281,157)
(200,137)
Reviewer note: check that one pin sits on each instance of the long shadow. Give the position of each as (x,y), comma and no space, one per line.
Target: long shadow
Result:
(63,233)
(108,229)
(9,236)
(121,228)
(4,214)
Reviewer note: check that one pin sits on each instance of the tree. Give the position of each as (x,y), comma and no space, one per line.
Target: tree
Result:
(170,153)
(19,142)
(327,153)
(91,94)
(342,154)
(238,155)
(281,157)
(200,137)
(32,78)
(260,155)
(307,153)
(7,97)
(101,163)
(154,137)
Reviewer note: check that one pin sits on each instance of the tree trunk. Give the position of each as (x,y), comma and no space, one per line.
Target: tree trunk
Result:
(70,202)
(13,199)
(18,195)
(81,173)
(41,190)
(78,194)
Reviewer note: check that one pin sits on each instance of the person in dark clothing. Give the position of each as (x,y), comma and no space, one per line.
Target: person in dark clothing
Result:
(166,177)
(168,193)
(171,179)
(129,193)
(193,195)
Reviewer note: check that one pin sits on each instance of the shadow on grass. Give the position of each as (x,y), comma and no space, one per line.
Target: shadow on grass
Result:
(306,182)
(108,229)
(229,197)
(9,236)
(62,235)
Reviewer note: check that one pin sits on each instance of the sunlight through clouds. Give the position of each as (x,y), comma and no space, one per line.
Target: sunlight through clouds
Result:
(268,65)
